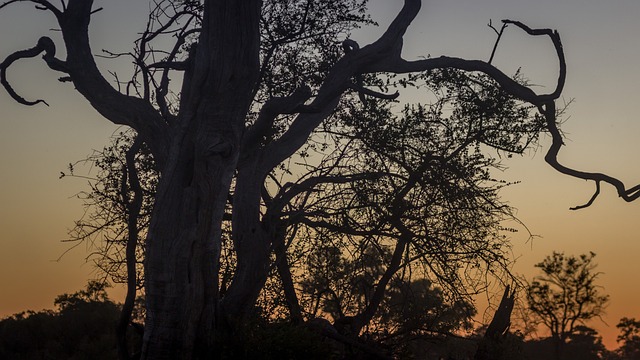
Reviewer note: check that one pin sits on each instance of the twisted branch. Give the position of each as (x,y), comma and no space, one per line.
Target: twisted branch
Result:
(628,195)
(45,45)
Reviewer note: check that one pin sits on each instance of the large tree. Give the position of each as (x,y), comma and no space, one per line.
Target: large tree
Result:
(240,113)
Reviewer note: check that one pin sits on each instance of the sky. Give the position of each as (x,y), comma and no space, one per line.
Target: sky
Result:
(601,42)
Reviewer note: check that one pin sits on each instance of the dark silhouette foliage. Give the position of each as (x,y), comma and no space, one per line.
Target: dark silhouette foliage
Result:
(565,296)
(82,327)
(629,339)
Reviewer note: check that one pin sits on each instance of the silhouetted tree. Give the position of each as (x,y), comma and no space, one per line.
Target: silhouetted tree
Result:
(365,262)
(498,342)
(82,327)
(118,208)
(566,296)
(585,344)
(259,80)
(629,339)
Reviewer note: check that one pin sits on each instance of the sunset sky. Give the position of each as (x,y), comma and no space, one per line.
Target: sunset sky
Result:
(602,46)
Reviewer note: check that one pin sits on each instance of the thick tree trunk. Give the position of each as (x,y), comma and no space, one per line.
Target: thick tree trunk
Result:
(183,248)
(183,245)
(558,348)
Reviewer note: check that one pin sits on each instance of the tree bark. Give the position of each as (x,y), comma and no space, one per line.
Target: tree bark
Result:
(491,345)
(183,245)
(252,240)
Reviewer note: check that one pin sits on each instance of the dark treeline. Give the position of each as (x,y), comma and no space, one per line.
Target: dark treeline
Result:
(82,326)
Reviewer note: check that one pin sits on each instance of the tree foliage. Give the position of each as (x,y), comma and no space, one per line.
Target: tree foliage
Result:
(82,327)
(104,224)
(629,339)
(566,295)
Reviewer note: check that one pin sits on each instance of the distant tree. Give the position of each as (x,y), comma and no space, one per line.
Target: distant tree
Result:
(629,339)
(82,327)
(566,296)
(94,293)
(585,344)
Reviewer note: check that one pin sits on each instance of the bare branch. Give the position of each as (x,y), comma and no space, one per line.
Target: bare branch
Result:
(40,5)
(499,33)
(271,109)
(116,107)
(398,65)
(551,158)
(555,38)
(171,65)
(45,45)
(593,198)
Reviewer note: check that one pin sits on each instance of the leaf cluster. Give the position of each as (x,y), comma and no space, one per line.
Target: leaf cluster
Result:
(566,295)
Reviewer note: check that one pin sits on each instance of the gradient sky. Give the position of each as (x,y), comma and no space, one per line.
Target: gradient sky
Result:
(602,46)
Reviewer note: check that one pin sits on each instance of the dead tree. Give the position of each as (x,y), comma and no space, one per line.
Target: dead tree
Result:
(490,346)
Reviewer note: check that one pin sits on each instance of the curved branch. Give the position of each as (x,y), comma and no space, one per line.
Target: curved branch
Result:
(628,195)
(396,64)
(557,44)
(356,61)
(593,198)
(110,103)
(40,4)
(45,45)
(396,30)
(401,66)
(270,111)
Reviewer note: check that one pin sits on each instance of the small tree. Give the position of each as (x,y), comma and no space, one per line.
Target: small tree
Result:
(566,295)
(630,338)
